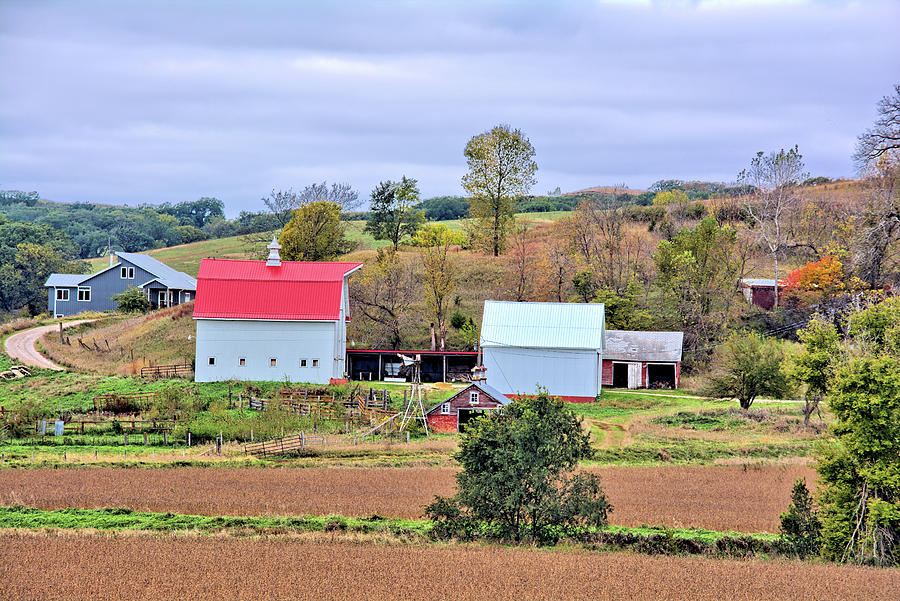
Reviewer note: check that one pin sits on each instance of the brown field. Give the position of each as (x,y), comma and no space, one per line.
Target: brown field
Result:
(95,566)
(715,497)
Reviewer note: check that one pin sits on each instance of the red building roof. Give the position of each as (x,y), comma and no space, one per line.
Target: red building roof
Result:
(294,290)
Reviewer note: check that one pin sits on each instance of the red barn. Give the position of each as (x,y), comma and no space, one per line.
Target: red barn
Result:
(761,292)
(642,359)
(470,402)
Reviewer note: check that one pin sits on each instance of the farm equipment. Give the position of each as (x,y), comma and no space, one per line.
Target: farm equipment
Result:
(15,372)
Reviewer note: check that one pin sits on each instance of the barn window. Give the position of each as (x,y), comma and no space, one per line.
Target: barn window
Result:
(445,409)
(315,363)
(242,361)
(302,362)
(84,293)
(273,362)
(62,294)
(473,398)
(212,360)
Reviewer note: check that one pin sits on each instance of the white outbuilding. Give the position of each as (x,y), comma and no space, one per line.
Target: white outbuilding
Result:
(272,320)
(557,346)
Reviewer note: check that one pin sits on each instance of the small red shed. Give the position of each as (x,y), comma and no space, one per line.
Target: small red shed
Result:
(472,401)
(642,359)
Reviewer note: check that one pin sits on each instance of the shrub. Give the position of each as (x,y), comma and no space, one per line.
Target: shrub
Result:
(133,300)
(800,524)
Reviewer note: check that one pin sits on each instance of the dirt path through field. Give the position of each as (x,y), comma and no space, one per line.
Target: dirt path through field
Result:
(745,499)
(20,346)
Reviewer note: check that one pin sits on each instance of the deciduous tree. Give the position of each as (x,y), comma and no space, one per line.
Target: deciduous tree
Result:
(776,178)
(884,135)
(501,170)
(314,233)
(384,294)
(439,274)
(393,211)
(747,366)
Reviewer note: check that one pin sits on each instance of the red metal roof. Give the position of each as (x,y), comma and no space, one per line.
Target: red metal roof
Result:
(229,289)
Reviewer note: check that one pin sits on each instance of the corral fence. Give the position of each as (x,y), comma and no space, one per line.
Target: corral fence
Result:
(171,370)
(125,403)
(130,428)
(285,445)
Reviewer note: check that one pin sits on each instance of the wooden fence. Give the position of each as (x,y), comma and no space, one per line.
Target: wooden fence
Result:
(168,371)
(285,445)
(124,403)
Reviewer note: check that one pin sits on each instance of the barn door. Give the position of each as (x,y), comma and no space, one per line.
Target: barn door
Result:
(634,375)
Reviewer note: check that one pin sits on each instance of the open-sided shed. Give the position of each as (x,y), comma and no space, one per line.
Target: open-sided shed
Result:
(642,359)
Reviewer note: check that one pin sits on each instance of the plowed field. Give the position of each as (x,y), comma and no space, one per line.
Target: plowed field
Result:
(714,497)
(89,566)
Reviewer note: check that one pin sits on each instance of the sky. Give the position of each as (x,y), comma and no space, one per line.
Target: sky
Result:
(149,102)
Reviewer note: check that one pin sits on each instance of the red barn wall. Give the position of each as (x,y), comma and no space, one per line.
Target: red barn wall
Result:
(441,423)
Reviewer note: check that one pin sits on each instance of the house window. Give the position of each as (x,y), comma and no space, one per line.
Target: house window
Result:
(127,272)
(273,362)
(212,360)
(124,272)
(315,363)
(473,398)
(163,299)
(84,293)
(62,294)
(187,296)
(242,361)
(445,409)
(302,362)
(131,273)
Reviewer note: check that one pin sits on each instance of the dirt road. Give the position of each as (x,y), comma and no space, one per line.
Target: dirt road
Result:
(20,346)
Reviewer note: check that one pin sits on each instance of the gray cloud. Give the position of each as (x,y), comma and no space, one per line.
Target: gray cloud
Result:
(152,102)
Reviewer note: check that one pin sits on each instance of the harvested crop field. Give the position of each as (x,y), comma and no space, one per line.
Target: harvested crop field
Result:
(714,497)
(91,566)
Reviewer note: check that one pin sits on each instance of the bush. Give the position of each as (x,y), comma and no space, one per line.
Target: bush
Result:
(133,300)
(800,524)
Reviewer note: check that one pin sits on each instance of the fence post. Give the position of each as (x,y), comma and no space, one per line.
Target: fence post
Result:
(407,436)
(189,438)
(165,437)
(251,434)
(302,440)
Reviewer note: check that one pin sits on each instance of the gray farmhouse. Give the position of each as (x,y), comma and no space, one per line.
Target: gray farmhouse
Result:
(69,294)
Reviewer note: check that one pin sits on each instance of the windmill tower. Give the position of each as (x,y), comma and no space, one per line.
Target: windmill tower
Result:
(414,410)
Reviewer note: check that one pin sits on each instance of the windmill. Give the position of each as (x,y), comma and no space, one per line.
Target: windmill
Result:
(414,407)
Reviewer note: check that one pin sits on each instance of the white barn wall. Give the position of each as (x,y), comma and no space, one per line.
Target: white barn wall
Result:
(259,341)
(515,370)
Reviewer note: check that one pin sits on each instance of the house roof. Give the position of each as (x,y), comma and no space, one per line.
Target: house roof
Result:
(543,325)
(484,387)
(293,290)
(65,280)
(623,345)
(165,275)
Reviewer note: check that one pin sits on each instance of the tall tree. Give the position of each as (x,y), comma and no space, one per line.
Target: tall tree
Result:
(393,210)
(884,135)
(384,294)
(282,203)
(776,178)
(876,246)
(439,275)
(314,233)
(697,276)
(501,170)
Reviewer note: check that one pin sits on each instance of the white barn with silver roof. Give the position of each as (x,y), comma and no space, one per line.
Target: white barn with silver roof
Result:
(557,346)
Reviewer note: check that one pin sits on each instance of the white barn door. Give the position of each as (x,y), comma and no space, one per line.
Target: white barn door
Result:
(634,375)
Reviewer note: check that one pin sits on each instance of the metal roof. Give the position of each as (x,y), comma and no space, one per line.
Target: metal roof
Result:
(65,280)
(623,345)
(493,392)
(293,290)
(543,325)
(165,275)
(760,282)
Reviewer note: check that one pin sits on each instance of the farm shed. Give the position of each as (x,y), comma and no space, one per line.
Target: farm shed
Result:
(642,359)
(69,294)
(437,366)
(760,292)
(557,346)
(272,320)
(474,400)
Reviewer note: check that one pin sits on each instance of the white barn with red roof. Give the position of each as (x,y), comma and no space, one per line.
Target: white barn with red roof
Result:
(272,320)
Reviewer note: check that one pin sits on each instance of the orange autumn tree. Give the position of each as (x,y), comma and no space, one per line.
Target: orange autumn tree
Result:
(817,281)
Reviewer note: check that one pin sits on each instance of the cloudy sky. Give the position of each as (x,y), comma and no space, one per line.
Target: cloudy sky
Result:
(138,102)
